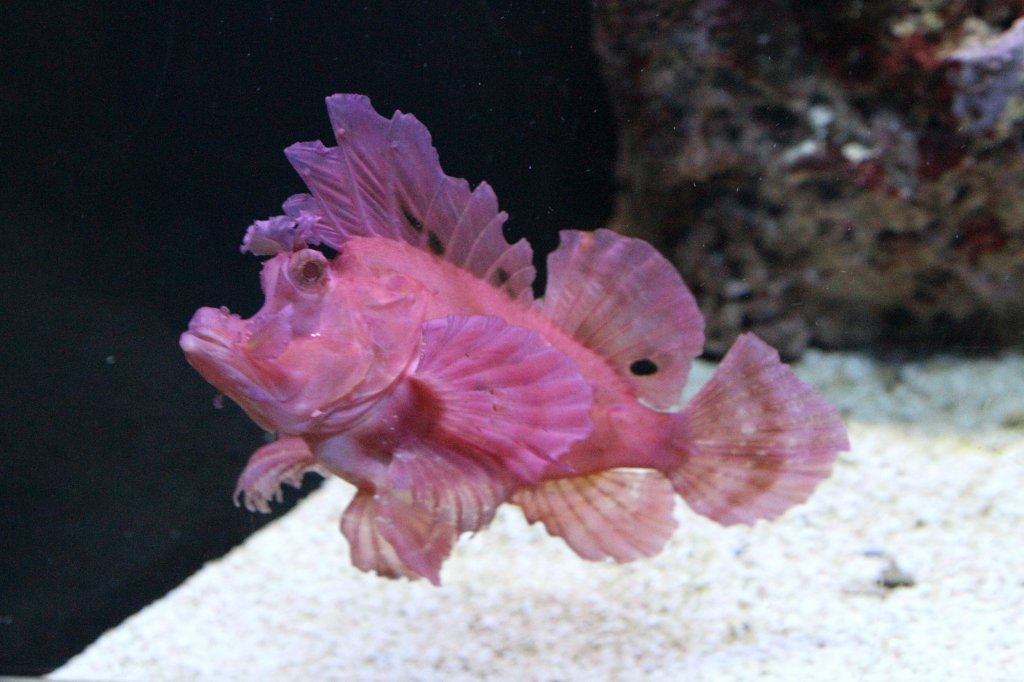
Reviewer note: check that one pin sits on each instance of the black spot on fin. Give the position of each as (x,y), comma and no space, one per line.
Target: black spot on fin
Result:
(643,367)
(435,244)
(413,221)
(623,300)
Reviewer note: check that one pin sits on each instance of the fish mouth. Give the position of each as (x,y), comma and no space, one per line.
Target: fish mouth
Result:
(212,346)
(211,332)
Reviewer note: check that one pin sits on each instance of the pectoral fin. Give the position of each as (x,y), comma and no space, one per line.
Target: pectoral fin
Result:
(285,460)
(500,391)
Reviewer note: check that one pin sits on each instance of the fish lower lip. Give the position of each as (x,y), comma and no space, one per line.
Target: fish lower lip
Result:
(211,335)
(212,355)
(195,341)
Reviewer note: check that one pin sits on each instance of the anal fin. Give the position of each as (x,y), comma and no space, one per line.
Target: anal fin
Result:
(619,514)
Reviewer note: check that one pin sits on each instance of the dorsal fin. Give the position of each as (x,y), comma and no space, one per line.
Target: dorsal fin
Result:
(619,297)
(384,180)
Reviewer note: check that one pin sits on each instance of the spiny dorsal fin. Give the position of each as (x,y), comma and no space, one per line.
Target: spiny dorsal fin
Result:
(384,180)
(619,297)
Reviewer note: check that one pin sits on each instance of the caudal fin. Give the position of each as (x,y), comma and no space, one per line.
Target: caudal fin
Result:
(755,440)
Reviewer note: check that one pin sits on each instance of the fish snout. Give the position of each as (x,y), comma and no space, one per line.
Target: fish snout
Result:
(210,346)
(214,325)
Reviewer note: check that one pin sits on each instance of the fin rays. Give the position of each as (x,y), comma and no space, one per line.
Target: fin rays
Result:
(407,525)
(504,392)
(755,440)
(285,460)
(384,179)
(620,514)
(620,298)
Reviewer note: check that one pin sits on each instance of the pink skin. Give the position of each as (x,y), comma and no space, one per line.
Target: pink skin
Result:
(298,367)
(330,364)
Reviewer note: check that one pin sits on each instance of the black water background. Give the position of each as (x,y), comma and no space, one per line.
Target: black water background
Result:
(137,140)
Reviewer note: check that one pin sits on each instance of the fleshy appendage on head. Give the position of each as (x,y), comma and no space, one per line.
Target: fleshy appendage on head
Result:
(320,350)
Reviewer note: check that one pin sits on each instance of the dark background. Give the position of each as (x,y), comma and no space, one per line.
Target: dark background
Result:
(137,141)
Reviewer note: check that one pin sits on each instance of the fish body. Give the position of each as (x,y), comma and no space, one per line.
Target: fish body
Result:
(417,365)
(449,290)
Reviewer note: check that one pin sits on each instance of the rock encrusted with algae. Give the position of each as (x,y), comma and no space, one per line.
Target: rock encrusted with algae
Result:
(844,174)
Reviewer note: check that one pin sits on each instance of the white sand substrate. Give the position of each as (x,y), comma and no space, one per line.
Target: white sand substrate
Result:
(908,564)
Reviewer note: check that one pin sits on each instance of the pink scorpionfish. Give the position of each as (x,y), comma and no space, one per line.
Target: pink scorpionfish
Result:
(417,365)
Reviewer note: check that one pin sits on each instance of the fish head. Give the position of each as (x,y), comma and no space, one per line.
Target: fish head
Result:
(325,346)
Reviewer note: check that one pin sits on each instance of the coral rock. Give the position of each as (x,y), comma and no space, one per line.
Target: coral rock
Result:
(839,174)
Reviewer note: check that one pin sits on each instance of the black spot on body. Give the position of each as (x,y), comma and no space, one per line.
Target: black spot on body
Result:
(413,221)
(502,275)
(643,367)
(434,242)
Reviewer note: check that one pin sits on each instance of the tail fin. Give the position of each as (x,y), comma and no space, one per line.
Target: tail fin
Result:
(755,440)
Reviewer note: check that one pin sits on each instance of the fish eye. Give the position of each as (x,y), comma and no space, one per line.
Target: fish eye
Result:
(308,269)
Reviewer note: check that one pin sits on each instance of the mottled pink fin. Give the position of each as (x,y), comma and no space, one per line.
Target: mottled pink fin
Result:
(755,440)
(408,525)
(283,461)
(455,489)
(370,527)
(384,180)
(619,514)
(619,297)
(500,391)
